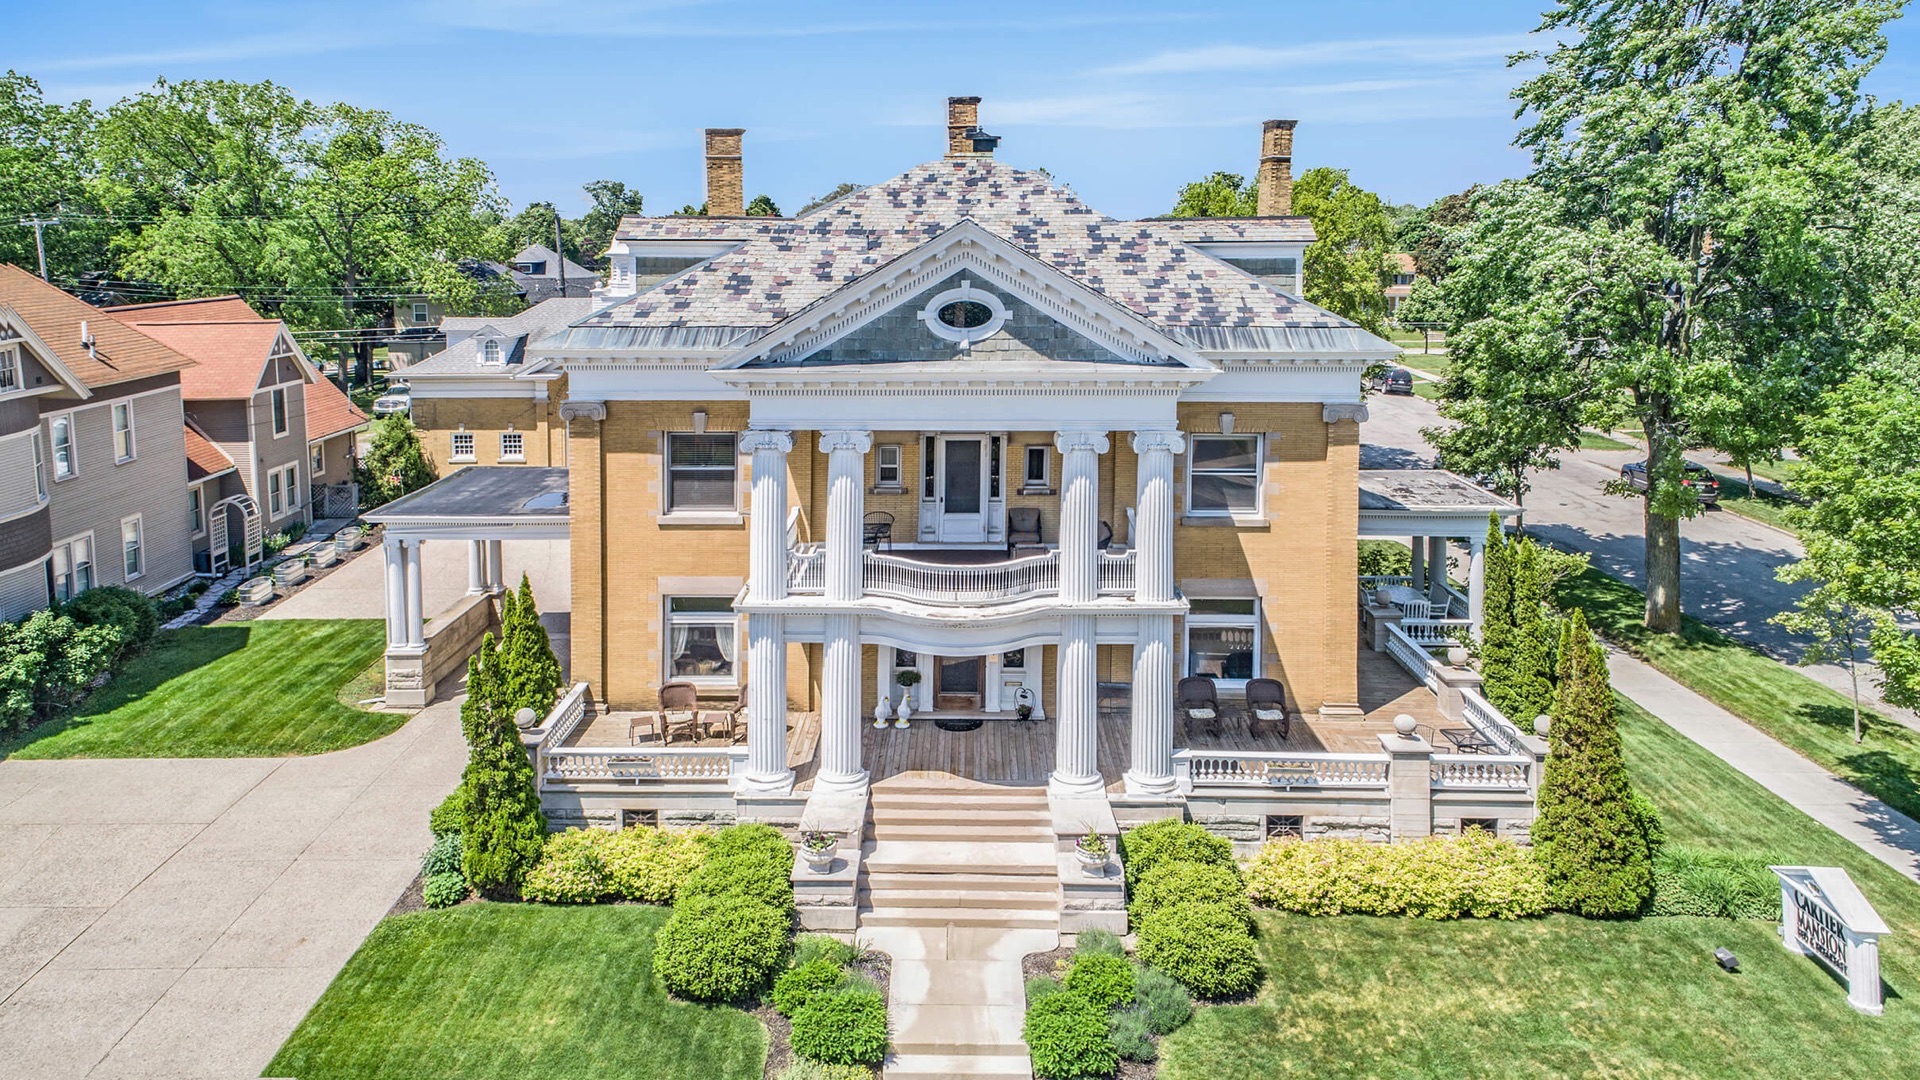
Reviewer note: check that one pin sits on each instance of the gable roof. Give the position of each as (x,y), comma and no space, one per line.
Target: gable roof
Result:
(329,411)
(204,459)
(229,308)
(1147,268)
(463,356)
(539,253)
(229,357)
(120,353)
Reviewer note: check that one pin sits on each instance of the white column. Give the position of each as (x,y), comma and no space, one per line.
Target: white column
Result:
(1436,568)
(767,771)
(1477,582)
(396,593)
(1079,516)
(496,570)
(1153,514)
(1418,569)
(990,693)
(846,509)
(416,615)
(767,533)
(840,707)
(1150,759)
(883,676)
(477,578)
(1076,763)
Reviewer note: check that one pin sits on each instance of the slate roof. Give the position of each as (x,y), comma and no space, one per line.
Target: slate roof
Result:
(1278,230)
(120,354)
(463,357)
(785,264)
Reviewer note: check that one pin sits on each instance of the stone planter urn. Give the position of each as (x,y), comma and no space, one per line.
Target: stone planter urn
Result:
(819,851)
(1092,853)
(1458,656)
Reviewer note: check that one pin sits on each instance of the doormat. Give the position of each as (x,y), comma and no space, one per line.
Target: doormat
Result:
(958,723)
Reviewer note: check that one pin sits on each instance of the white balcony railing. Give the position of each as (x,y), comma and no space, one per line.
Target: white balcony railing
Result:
(902,577)
(1268,769)
(689,764)
(1481,772)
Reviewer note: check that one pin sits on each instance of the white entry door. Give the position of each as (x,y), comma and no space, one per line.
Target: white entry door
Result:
(960,479)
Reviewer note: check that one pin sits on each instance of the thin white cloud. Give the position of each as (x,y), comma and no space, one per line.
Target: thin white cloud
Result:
(1424,52)
(256,47)
(668,19)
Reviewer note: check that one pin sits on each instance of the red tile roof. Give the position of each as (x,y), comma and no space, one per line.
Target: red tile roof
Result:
(203,458)
(120,354)
(329,412)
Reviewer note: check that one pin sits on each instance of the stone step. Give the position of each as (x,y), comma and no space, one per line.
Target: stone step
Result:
(1027,879)
(994,1064)
(996,918)
(935,857)
(962,817)
(953,799)
(989,833)
(972,897)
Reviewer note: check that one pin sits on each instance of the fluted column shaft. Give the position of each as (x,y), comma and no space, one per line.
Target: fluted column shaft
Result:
(767,533)
(496,569)
(1150,760)
(1076,762)
(840,707)
(767,770)
(1080,514)
(1153,514)
(396,592)
(416,598)
(476,567)
(846,509)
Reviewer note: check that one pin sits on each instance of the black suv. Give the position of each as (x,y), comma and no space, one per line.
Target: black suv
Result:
(1705,485)
(1394,381)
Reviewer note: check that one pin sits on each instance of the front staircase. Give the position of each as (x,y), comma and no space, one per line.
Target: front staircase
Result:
(957,886)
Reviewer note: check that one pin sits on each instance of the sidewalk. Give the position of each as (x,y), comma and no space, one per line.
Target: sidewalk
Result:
(1873,826)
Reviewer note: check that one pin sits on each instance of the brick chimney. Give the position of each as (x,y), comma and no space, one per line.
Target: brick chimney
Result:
(964,137)
(1276,168)
(726,180)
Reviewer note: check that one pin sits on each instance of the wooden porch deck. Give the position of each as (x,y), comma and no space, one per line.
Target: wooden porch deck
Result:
(1014,753)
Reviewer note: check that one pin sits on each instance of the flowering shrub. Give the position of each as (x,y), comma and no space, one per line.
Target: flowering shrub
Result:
(1433,878)
(571,869)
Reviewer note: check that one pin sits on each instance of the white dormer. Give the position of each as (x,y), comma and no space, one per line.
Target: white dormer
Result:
(493,351)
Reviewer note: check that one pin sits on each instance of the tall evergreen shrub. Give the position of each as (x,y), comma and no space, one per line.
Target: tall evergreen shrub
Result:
(503,830)
(1527,690)
(532,671)
(1496,609)
(1588,838)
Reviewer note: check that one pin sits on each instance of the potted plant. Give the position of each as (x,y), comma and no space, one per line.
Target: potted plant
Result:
(1092,852)
(819,849)
(1024,707)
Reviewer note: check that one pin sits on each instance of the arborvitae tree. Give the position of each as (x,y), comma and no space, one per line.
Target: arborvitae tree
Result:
(1528,688)
(1496,609)
(531,670)
(503,829)
(395,464)
(1588,838)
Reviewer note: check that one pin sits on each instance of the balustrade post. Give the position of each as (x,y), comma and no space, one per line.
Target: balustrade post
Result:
(1080,514)
(1409,786)
(846,480)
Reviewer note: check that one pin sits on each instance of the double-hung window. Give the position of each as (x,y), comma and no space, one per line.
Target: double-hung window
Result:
(9,368)
(63,459)
(72,567)
(274,498)
(317,459)
(279,411)
(702,636)
(701,471)
(134,559)
(197,510)
(1223,475)
(886,468)
(123,431)
(513,446)
(293,487)
(462,446)
(419,314)
(39,468)
(1223,639)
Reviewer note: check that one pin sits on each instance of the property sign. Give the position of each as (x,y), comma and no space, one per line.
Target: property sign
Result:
(1824,915)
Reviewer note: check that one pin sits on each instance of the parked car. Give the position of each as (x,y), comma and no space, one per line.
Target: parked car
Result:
(1705,485)
(395,401)
(1394,381)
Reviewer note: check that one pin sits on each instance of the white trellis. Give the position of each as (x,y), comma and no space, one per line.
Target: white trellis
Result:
(253,543)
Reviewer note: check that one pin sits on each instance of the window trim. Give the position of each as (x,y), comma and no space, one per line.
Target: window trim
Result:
(41,484)
(1256,620)
(317,459)
(281,420)
(1258,511)
(139,552)
(727,514)
(291,481)
(728,618)
(421,313)
(491,352)
(1029,485)
(514,458)
(882,485)
(62,422)
(118,409)
(453,446)
(10,366)
(197,510)
(65,547)
(273,494)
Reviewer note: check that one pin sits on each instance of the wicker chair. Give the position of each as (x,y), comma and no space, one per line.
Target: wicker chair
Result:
(680,709)
(1199,704)
(1267,708)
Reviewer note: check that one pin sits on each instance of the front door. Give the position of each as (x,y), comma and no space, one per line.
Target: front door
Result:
(962,489)
(958,683)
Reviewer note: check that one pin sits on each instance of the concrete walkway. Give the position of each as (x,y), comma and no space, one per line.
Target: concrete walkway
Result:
(176,918)
(1876,828)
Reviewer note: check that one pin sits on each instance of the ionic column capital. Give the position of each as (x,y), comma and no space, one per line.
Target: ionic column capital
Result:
(583,410)
(1171,442)
(1334,413)
(1068,442)
(858,442)
(753,442)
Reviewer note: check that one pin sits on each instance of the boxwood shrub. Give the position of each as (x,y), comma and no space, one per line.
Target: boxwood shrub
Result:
(802,983)
(752,839)
(1433,878)
(755,875)
(1688,881)
(1067,1037)
(843,1027)
(1102,979)
(1170,840)
(1207,948)
(721,948)
(1188,883)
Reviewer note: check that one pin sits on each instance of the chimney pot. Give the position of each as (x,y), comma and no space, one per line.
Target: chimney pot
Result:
(1275,181)
(726,174)
(964,137)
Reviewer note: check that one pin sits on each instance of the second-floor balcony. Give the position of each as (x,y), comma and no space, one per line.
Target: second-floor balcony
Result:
(957,578)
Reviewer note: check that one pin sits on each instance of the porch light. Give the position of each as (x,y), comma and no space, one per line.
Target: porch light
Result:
(1226,423)
(699,421)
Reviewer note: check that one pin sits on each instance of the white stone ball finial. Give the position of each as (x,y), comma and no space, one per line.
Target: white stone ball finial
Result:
(1405,724)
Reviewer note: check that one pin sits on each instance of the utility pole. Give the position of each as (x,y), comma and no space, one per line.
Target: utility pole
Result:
(40,239)
(559,249)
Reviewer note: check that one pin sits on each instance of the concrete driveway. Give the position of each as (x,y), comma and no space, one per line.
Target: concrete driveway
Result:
(177,918)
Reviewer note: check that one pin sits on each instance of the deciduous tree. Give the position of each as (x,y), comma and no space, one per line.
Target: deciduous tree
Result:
(395,464)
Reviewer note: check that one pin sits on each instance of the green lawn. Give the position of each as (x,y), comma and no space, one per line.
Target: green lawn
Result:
(264,688)
(1760,505)
(1804,714)
(515,992)
(1594,440)
(1561,996)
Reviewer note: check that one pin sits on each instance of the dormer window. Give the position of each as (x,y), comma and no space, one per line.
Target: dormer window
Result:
(9,369)
(490,351)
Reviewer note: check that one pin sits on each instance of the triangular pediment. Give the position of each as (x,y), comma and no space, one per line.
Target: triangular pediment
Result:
(1040,316)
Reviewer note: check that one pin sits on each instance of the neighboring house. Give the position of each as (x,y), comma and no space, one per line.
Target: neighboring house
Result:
(544,275)
(1401,283)
(485,399)
(333,427)
(416,319)
(246,395)
(93,459)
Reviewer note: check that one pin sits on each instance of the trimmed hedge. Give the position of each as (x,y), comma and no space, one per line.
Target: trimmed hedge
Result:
(1171,883)
(1688,881)
(752,839)
(1207,948)
(1170,840)
(721,948)
(1102,979)
(802,983)
(1067,1037)
(1433,878)
(847,1027)
(583,866)
(571,869)
(754,874)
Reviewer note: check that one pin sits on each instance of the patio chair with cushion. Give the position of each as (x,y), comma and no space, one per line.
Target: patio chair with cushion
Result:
(1023,527)
(680,708)
(1199,704)
(1266,708)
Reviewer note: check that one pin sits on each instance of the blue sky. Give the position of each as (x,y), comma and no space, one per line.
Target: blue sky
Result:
(1122,100)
